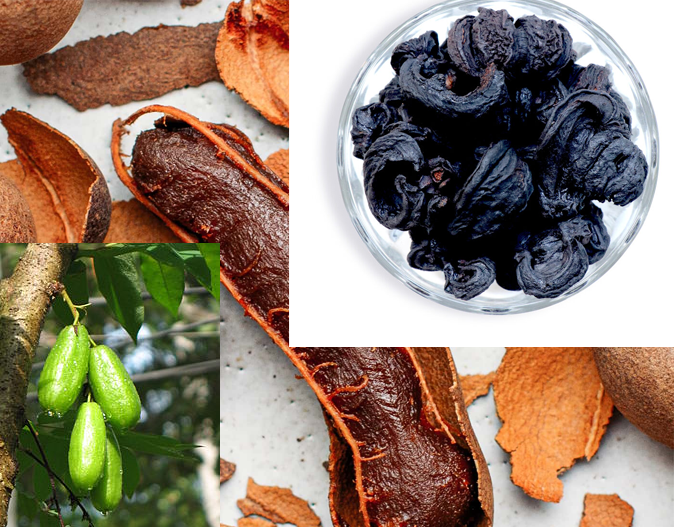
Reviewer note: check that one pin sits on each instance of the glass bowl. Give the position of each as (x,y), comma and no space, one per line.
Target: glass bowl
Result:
(390,247)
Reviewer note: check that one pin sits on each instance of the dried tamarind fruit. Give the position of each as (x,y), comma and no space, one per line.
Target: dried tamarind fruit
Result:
(113,388)
(206,183)
(525,141)
(65,370)
(402,449)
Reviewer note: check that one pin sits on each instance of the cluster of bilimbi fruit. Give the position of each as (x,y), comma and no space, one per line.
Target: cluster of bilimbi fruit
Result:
(94,457)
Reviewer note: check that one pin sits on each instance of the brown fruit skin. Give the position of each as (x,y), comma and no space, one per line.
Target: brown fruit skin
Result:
(29,28)
(640,381)
(16,220)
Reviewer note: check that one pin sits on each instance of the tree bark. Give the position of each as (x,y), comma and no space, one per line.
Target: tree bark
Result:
(25,298)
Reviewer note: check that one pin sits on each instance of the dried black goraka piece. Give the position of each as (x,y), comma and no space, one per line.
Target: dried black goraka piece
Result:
(490,149)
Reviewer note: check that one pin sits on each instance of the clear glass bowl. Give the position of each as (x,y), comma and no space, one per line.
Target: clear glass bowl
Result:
(390,247)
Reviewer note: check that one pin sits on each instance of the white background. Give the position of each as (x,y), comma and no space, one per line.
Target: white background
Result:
(340,295)
(273,429)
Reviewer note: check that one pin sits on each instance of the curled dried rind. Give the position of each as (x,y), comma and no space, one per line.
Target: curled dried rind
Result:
(541,47)
(465,279)
(65,190)
(252,55)
(435,95)
(207,184)
(475,42)
(398,411)
(554,411)
(394,158)
(550,263)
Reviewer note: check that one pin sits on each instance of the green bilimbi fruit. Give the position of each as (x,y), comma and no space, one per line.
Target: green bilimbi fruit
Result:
(107,494)
(64,370)
(113,388)
(86,454)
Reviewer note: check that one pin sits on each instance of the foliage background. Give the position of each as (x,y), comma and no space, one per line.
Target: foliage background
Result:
(184,407)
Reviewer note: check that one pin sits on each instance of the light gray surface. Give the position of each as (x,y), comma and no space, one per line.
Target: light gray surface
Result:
(92,129)
(273,429)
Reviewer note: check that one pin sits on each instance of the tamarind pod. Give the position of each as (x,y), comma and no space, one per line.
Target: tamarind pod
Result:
(207,184)
(64,370)
(402,448)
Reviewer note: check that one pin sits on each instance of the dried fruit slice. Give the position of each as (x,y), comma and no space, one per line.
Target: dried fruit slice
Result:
(278,505)
(147,64)
(401,442)
(554,411)
(475,386)
(603,510)
(131,222)
(65,190)
(252,55)
(206,183)
(279,162)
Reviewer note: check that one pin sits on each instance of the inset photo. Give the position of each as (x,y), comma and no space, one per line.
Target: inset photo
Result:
(492,158)
(460,437)
(109,367)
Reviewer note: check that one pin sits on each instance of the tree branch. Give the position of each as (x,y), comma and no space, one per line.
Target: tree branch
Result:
(25,298)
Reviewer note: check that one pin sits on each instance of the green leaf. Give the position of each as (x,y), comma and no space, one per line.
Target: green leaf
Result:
(165,282)
(120,285)
(196,265)
(49,519)
(163,252)
(211,253)
(25,461)
(28,506)
(158,445)
(77,288)
(41,483)
(130,472)
(56,450)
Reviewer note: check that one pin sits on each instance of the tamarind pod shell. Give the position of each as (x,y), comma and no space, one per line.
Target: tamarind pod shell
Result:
(65,190)
(351,495)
